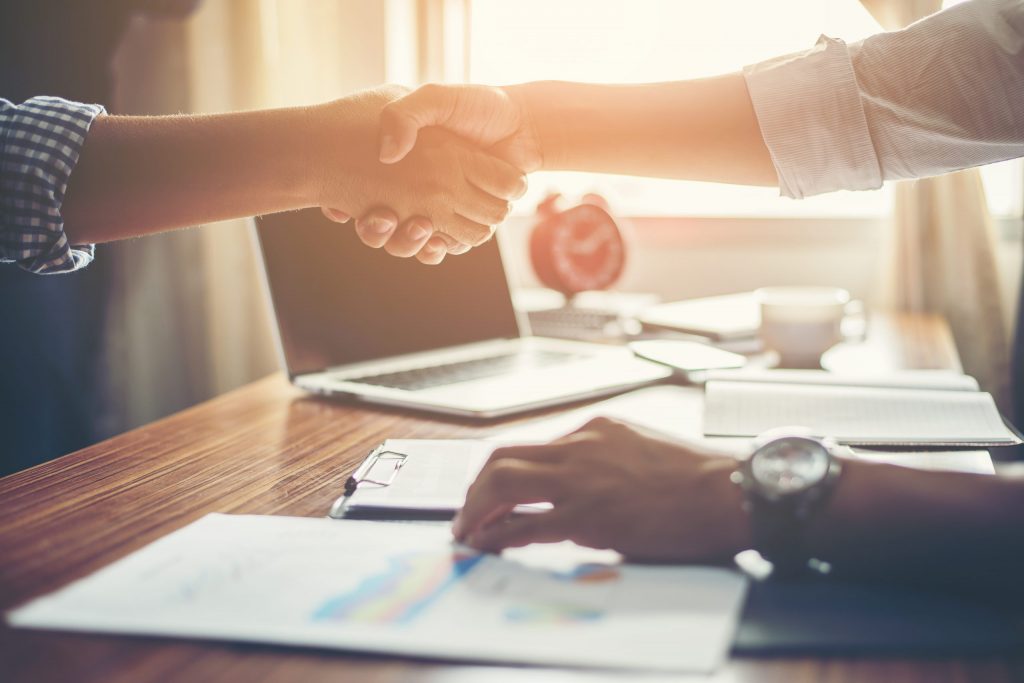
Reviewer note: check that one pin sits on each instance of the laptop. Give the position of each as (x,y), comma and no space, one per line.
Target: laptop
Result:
(354,321)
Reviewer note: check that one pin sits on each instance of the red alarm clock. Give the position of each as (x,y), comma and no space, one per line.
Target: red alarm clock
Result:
(577,249)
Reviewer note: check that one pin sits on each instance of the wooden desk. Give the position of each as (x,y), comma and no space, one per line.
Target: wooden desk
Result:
(268,449)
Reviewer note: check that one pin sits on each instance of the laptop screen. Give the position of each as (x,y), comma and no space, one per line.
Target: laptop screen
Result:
(338,302)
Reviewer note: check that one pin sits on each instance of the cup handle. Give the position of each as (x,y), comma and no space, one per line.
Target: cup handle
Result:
(855,322)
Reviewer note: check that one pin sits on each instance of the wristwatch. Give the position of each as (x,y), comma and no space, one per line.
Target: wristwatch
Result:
(786,480)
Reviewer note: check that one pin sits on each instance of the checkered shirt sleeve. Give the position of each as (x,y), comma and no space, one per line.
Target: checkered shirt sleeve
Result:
(40,141)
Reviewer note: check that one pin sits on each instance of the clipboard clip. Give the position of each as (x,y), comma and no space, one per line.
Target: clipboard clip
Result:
(361,477)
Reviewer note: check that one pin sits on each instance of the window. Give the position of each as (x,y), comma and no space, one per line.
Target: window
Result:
(651,40)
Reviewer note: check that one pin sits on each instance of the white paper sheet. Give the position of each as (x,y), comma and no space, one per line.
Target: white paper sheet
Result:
(434,474)
(403,589)
(942,380)
(856,415)
(678,412)
(975,462)
(672,410)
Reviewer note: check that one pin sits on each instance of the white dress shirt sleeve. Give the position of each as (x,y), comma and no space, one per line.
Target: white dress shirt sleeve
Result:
(945,93)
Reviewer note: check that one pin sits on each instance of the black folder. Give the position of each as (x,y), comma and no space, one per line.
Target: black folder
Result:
(822,617)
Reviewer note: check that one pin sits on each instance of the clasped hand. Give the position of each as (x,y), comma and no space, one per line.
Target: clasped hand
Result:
(451,159)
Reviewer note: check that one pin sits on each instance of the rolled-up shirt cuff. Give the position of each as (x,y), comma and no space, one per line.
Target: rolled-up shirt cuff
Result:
(40,144)
(809,109)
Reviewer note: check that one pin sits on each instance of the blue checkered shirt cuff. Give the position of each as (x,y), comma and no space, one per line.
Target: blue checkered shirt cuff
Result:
(40,140)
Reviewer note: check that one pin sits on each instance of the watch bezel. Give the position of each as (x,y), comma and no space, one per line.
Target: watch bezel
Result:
(763,449)
(778,517)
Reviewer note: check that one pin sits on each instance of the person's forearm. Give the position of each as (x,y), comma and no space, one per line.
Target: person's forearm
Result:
(140,175)
(695,130)
(933,528)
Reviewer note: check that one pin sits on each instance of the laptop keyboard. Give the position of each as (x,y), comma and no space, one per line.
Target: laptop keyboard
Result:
(571,323)
(478,368)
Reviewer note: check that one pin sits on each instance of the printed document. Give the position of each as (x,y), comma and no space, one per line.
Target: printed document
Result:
(403,589)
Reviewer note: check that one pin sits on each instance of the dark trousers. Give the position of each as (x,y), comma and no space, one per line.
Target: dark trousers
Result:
(51,389)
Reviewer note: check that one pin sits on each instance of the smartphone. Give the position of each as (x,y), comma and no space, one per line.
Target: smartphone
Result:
(686,357)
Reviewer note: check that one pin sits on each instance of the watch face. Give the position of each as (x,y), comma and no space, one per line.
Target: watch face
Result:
(790,465)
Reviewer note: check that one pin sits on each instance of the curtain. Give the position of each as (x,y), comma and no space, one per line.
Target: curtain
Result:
(189,317)
(942,249)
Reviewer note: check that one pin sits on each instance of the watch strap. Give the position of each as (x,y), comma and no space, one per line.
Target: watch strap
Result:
(777,531)
(778,525)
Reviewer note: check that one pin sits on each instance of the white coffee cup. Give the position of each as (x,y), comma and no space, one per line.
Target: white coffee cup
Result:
(801,323)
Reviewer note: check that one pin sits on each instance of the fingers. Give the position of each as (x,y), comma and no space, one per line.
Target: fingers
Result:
(452,245)
(466,231)
(410,237)
(433,252)
(336,215)
(501,486)
(492,184)
(520,530)
(494,176)
(401,120)
(481,207)
(376,227)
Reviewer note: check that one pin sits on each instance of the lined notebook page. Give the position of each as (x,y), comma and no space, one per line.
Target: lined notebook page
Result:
(856,415)
(931,380)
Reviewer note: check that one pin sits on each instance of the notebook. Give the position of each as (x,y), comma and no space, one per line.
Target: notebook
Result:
(942,380)
(857,415)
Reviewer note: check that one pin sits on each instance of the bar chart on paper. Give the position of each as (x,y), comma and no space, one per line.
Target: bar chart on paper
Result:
(407,588)
(414,582)
(403,589)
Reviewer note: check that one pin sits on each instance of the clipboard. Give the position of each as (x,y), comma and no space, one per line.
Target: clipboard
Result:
(412,479)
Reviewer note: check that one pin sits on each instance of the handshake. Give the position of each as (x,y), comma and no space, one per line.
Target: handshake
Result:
(424,173)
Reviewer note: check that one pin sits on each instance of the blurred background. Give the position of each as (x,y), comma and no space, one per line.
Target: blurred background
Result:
(182,317)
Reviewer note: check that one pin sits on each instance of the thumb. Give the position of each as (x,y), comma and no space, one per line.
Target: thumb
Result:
(401,120)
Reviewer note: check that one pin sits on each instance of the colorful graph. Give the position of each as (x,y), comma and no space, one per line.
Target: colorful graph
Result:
(413,582)
(551,614)
(591,573)
(575,606)
(397,596)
